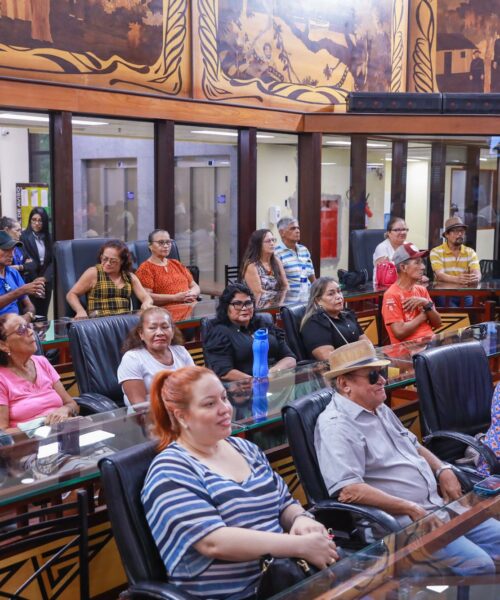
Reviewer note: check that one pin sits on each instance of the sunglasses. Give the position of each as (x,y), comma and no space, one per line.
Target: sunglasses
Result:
(22,330)
(239,305)
(373,375)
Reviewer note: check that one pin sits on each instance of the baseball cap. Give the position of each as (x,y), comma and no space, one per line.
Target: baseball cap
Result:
(6,242)
(407,251)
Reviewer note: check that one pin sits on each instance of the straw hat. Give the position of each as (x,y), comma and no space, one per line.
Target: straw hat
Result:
(452,223)
(352,357)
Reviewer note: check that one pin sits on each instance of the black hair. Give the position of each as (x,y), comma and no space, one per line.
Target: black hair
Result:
(226,297)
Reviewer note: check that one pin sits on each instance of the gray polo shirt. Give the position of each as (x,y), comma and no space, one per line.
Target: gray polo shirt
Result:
(354,445)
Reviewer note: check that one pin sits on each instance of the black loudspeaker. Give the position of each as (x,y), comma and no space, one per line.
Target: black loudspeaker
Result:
(482,104)
(375,102)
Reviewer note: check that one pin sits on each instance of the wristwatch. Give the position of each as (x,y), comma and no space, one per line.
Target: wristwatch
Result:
(427,307)
(304,513)
(442,468)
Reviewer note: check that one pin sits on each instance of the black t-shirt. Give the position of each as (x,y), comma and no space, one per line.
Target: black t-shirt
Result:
(319,330)
(229,347)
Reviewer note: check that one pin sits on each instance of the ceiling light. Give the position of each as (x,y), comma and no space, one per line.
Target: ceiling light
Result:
(376,145)
(260,136)
(439,589)
(45,119)
(93,123)
(328,164)
(374,165)
(338,143)
(483,159)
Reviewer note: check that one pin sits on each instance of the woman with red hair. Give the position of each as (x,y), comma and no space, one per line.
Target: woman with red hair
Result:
(212,501)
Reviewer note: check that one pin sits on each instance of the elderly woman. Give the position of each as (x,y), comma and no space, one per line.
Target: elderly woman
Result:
(108,285)
(212,501)
(166,279)
(228,345)
(20,262)
(154,345)
(327,324)
(395,235)
(261,269)
(29,385)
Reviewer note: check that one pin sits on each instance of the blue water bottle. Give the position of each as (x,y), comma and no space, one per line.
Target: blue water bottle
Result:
(260,387)
(260,349)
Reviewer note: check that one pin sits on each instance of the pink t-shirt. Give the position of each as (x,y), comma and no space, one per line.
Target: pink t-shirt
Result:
(27,400)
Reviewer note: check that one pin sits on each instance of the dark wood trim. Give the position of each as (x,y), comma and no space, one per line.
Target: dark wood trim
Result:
(164,164)
(398,178)
(247,187)
(309,194)
(357,189)
(472,193)
(61,148)
(436,199)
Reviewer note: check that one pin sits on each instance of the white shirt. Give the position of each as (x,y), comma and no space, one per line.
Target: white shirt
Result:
(140,364)
(383,249)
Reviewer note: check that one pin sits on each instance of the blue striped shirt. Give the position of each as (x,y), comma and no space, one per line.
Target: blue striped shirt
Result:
(293,263)
(184,501)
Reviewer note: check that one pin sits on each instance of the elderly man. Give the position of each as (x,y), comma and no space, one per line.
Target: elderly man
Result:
(407,308)
(367,456)
(13,290)
(453,262)
(294,256)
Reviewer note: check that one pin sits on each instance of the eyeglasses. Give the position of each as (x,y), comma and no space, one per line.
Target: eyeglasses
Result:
(270,241)
(163,242)
(459,230)
(373,375)
(36,220)
(111,261)
(401,230)
(240,305)
(22,330)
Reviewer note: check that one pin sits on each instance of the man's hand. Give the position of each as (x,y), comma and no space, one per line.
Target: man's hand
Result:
(414,303)
(449,485)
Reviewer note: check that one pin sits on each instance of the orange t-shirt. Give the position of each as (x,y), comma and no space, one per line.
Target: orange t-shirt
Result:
(393,311)
(172,279)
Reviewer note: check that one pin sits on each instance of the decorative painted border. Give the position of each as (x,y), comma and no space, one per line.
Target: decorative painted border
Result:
(399,37)
(423,76)
(163,76)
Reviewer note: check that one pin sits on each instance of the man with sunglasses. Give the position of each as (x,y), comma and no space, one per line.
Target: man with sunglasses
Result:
(13,291)
(407,308)
(367,456)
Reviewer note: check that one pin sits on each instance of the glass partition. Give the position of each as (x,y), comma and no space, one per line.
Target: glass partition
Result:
(378,183)
(113,178)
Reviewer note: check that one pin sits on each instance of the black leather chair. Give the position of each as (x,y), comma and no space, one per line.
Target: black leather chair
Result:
(207,323)
(490,269)
(292,317)
(351,522)
(96,350)
(231,274)
(363,244)
(455,390)
(122,475)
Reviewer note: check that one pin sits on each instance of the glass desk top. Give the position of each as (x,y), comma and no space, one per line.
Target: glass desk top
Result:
(389,568)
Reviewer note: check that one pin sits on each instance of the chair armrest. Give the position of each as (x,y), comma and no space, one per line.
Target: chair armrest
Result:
(374,515)
(307,361)
(485,451)
(146,590)
(91,403)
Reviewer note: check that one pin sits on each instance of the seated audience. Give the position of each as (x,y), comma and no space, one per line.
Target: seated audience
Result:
(154,345)
(108,285)
(228,345)
(455,263)
(327,324)
(212,501)
(166,279)
(38,246)
(395,235)
(261,270)
(20,262)
(407,308)
(293,255)
(492,436)
(29,385)
(368,457)
(14,293)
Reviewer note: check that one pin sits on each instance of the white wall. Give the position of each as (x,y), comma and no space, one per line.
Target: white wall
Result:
(417,203)
(14,165)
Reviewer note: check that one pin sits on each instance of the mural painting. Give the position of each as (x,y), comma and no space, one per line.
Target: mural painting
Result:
(468,46)
(137,45)
(291,53)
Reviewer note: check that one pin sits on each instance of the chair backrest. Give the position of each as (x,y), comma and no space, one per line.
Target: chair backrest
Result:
(72,258)
(490,269)
(231,274)
(96,350)
(123,475)
(299,417)
(292,317)
(455,389)
(363,244)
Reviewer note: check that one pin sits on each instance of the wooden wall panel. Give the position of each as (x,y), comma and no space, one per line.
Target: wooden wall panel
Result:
(62,175)
(436,199)
(472,193)
(357,191)
(165,176)
(398,178)
(247,187)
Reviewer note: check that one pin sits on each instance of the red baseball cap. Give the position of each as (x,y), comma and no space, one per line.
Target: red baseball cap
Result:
(407,251)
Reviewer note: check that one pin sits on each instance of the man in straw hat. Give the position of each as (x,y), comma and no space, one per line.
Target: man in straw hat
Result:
(453,262)
(367,456)
(407,308)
